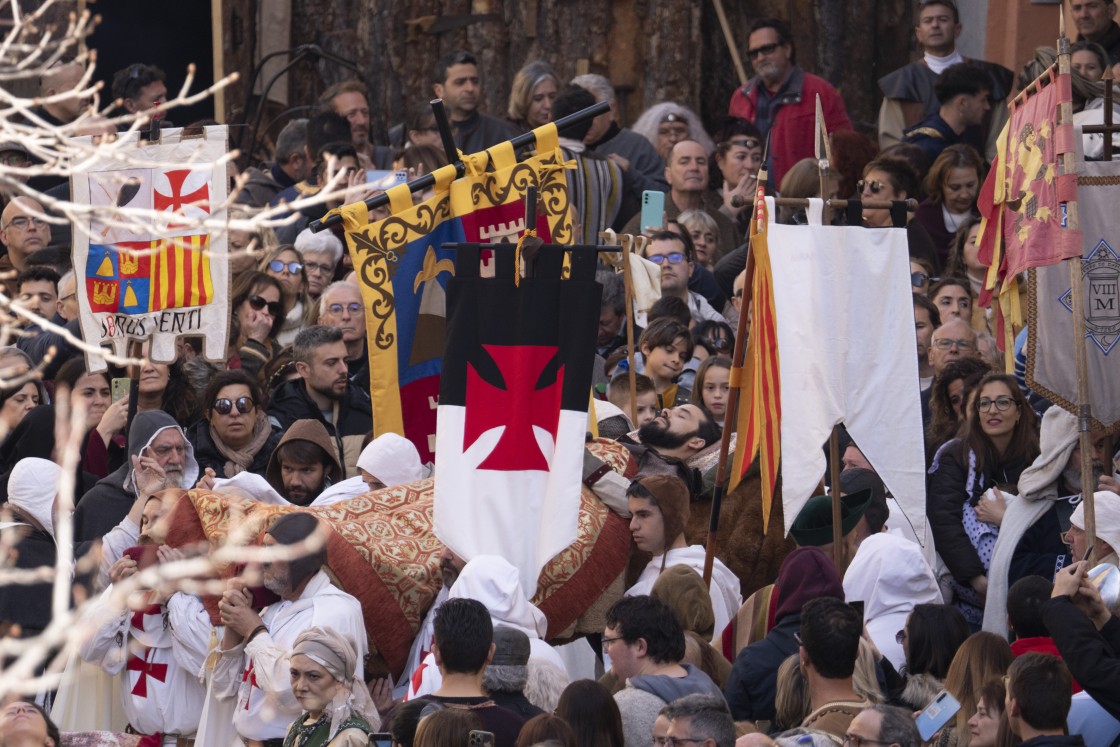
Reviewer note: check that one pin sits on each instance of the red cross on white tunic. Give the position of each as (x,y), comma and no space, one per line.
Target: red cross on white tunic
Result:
(251,677)
(146,669)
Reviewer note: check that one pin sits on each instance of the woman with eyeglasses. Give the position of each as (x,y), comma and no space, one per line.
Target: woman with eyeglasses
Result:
(999,439)
(285,264)
(258,315)
(953,183)
(235,435)
(890,178)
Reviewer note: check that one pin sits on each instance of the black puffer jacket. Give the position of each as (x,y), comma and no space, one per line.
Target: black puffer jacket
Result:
(950,486)
(353,418)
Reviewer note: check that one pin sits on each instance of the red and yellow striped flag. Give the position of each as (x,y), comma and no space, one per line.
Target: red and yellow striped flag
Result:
(760,411)
(181,273)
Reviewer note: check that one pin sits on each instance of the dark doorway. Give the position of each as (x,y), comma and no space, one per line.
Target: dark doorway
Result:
(168,35)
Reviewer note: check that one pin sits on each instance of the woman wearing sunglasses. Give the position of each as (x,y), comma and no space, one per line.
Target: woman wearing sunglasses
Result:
(234,436)
(258,315)
(285,264)
(999,439)
(887,179)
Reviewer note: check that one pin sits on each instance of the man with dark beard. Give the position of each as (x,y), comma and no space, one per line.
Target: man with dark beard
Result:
(304,463)
(323,392)
(669,440)
(253,662)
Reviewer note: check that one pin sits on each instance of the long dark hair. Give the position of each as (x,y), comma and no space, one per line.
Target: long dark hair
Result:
(1024,439)
(221,380)
(944,424)
(592,713)
(247,284)
(934,632)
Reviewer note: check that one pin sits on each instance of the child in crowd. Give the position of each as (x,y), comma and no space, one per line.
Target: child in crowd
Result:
(618,393)
(713,383)
(666,347)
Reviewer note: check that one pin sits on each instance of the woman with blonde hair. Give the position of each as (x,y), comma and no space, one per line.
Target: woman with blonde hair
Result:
(338,711)
(983,657)
(285,263)
(531,95)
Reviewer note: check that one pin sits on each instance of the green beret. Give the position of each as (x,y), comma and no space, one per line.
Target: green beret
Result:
(813,526)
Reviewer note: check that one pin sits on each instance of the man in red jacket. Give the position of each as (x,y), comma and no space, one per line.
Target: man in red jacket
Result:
(781,99)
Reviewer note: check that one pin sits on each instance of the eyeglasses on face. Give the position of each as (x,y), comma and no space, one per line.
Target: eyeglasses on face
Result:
(337,308)
(606,642)
(853,740)
(673,258)
(900,637)
(1003,404)
(224,406)
(945,344)
(293,268)
(318,269)
(22,222)
(765,49)
(674,741)
(718,344)
(874,186)
(258,303)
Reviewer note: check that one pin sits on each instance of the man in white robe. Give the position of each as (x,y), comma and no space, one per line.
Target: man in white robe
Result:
(253,661)
(659,508)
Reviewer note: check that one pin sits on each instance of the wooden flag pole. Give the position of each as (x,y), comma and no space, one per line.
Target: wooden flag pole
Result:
(730,417)
(730,39)
(732,414)
(1068,165)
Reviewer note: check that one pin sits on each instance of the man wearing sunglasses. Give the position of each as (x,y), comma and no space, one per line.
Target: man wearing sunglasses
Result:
(781,99)
(323,392)
(908,93)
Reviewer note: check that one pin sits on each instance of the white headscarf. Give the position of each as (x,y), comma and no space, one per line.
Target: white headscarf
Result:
(1106,507)
(249,485)
(392,459)
(494,581)
(33,487)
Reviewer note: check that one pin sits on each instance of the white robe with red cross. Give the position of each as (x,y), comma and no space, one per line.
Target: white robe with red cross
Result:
(155,652)
(257,674)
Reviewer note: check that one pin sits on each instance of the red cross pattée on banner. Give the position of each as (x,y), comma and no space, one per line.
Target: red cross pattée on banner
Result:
(251,677)
(146,669)
(518,407)
(176,201)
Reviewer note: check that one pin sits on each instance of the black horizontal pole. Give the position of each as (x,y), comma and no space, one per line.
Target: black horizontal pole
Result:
(423,182)
(452,246)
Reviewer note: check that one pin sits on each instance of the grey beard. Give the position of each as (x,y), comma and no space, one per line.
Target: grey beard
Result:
(1071,476)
